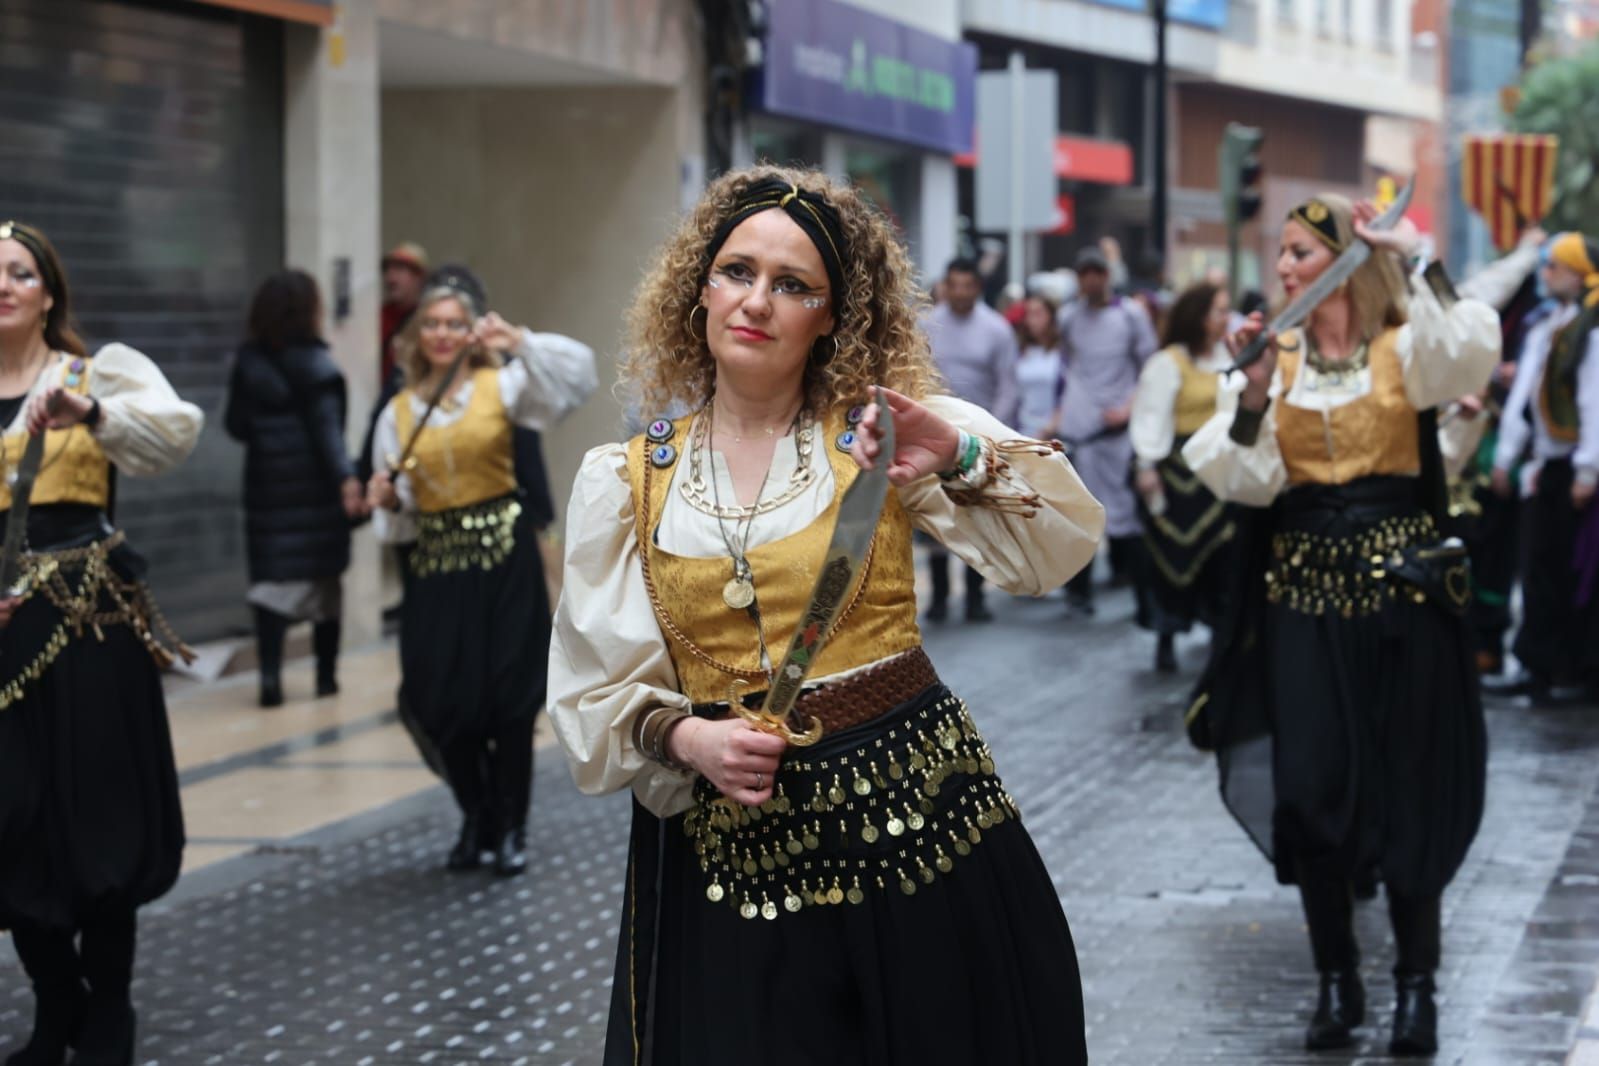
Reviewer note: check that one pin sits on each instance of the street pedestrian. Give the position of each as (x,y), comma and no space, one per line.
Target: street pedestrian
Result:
(404,269)
(475,624)
(286,404)
(1038,369)
(1341,697)
(1552,419)
(1187,530)
(974,348)
(1468,434)
(90,821)
(1106,339)
(871,897)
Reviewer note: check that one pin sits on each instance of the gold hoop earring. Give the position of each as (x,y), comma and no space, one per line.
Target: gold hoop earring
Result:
(691,333)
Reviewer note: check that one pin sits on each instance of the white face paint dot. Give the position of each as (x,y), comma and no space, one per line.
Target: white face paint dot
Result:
(813,303)
(714,282)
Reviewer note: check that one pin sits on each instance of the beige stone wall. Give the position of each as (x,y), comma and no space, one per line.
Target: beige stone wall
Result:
(557,197)
(652,40)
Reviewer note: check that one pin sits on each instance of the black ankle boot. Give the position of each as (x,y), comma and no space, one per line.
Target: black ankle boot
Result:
(270,628)
(1415,1015)
(57,1019)
(271,690)
(510,858)
(108,1033)
(325,643)
(467,853)
(1340,1007)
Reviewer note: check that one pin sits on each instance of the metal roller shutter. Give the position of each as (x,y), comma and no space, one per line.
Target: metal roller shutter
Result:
(146,140)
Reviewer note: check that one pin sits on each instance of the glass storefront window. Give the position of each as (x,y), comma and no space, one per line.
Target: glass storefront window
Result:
(893,179)
(785,145)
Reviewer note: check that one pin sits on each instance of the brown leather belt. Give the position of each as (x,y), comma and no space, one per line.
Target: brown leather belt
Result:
(859,697)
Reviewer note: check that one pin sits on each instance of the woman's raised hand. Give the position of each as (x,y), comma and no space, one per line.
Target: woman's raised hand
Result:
(496,334)
(1259,373)
(924,443)
(1403,239)
(740,760)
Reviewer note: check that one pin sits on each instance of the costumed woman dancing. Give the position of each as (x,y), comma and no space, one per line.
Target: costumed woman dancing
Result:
(1342,696)
(90,822)
(1185,527)
(871,899)
(475,625)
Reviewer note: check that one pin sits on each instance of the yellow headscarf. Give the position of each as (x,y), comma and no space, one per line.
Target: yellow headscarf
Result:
(1571,250)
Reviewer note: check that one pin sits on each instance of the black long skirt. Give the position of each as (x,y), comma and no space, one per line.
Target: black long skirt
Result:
(1353,746)
(955,955)
(1556,639)
(1186,550)
(90,819)
(474,644)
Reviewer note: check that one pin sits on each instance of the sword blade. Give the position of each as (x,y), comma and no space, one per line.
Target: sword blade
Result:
(852,536)
(17,518)
(1349,261)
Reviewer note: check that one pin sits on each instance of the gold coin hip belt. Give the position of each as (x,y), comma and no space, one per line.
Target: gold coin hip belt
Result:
(1313,574)
(890,814)
(478,537)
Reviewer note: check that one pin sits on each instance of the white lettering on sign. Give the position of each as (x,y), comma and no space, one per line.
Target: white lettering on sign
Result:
(819,63)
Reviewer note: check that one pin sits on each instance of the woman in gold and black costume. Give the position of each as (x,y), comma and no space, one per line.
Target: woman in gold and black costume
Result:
(91,825)
(1341,695)
(474,628)
(871,899)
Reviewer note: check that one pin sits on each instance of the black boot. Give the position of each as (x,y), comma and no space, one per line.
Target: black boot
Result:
(108,1018)
(1340,1008)
(1329,912)
(1166,654)
(270,628)
(511,771)
(1415,1015)
(465,769)
(325,642)
(467,853)
(51,962)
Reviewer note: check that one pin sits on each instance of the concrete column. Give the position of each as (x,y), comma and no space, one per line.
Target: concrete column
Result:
(331,189)
(939,207)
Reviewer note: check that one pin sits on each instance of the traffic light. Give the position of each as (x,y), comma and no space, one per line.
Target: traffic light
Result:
(1239,162)
(1240,172)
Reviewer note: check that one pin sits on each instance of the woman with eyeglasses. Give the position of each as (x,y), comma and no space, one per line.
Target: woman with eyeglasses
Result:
(871,897)
(475,624)
(1186,528)
(90,821)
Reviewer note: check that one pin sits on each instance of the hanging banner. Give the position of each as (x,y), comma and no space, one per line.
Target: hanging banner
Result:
(1508,179)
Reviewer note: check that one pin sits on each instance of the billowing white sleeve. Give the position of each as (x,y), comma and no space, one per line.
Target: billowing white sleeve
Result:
(1515,427)
(1024,554)
(1447,353)
(1496,283)
(608,658)
(1153,425)
(1251,475)
(145,428)
(393,527)
(546,378)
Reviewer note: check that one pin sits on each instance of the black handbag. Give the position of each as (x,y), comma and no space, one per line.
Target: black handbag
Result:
(1438,572)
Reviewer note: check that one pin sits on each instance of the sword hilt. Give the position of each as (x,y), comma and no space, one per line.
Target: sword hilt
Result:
(771,723)
(1251,353)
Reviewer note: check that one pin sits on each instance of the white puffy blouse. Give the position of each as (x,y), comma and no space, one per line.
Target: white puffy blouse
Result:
(608,658)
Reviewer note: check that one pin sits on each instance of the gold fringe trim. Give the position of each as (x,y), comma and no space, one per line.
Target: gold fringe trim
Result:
(13,690)
(1182,579)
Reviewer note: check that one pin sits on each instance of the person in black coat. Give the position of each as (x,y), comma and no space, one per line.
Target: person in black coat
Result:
(286,405)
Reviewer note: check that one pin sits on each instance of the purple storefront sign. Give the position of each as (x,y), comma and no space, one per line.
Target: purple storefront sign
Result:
(834,64)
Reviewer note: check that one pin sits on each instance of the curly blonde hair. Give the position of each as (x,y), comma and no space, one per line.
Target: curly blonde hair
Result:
(408,343)
(1377,291)
(879,338)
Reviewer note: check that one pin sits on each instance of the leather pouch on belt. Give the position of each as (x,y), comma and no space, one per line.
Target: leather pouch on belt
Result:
(1438,572)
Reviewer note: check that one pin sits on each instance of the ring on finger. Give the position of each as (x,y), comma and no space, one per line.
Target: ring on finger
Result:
(760,781)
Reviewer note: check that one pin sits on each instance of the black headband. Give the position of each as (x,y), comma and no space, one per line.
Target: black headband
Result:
(810,212)
(29,238)
(1317,217)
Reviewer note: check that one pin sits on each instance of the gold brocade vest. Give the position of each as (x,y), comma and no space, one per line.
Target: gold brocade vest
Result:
(713,645)
(466,462)
(1374,434)
(74,468)
(1196,400)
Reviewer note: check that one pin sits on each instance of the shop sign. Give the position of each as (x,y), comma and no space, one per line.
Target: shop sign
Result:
(1211,14)
(1065,216)
(1081,159)
(834,64)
